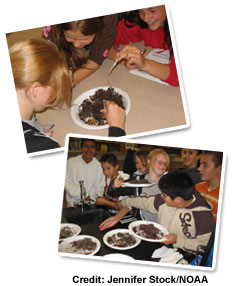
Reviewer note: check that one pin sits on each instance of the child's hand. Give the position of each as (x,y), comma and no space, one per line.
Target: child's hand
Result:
(114,114)
(170,238)
(49,132)
(118,183)
(47,129)
(109,222)
(118,205)
(133,56)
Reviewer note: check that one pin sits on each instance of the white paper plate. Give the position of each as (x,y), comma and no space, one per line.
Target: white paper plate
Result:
(87,94)
(118,257)
(115,231)
(128,184)
(160,227)
(76,229)
(66,247)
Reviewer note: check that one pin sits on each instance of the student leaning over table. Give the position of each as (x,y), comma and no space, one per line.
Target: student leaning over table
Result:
(42,81)
(85,42)
(151,26)
(181,210)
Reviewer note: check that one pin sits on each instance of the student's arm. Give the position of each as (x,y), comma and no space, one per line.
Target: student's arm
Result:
(116,118)
(116,131)
(134,59)
(89,68)
(113,53)
(141,202)
(111,221)
(104,39)
(117,192)
(105,202)
(189,244)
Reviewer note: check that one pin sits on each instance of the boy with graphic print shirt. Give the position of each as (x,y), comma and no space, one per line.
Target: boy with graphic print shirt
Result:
(181,210)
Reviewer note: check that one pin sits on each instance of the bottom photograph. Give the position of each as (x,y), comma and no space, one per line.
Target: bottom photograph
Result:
(131,202)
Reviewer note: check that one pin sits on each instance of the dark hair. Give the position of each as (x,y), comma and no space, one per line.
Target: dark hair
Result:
(177,184)
(197,150)
(76,57)
(198,153)
(132,17)
(216,157)
(142,154)
(86,139)
(109,158)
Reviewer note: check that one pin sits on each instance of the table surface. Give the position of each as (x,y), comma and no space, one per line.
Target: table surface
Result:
(154,106)
(141,252)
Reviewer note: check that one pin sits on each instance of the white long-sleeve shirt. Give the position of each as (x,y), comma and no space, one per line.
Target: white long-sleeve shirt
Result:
(92,175)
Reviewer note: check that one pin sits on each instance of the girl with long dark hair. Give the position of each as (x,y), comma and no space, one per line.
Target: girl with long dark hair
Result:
(86,43)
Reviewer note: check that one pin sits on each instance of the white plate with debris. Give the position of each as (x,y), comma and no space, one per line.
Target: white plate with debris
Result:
(81,244)
(121,239)
(68,230)
(148,230)
(86,96)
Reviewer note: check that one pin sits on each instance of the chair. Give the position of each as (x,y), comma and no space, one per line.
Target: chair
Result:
(205,258)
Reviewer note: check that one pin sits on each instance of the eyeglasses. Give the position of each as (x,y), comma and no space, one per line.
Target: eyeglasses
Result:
(162,163)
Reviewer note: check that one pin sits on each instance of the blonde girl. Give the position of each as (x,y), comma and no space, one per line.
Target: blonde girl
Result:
(42,81)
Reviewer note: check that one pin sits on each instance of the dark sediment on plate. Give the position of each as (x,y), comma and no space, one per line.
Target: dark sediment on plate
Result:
(89,110)
(148,231)
(121,239)
(66,232)
(142,181)
(83,246)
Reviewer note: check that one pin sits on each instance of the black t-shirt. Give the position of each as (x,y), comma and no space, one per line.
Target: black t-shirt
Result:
(36,140)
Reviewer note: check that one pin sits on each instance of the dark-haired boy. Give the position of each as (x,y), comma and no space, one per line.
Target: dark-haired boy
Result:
(181,210)
(210,172)
(110,167)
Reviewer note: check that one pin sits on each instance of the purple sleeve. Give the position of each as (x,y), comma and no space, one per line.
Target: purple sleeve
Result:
(203,222)
(158,202)
(104,39)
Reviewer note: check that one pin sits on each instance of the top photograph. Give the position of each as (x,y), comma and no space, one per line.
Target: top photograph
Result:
(113,75)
